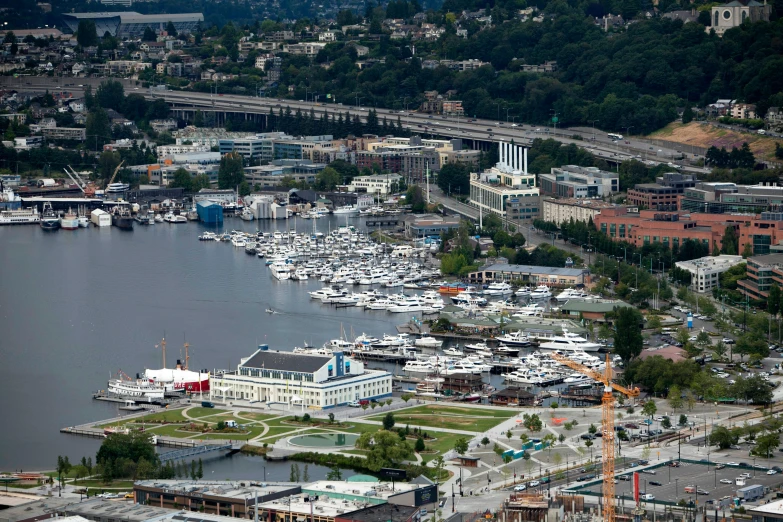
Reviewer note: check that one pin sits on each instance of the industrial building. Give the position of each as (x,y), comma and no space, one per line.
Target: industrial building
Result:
(301,380)
(209,212)
(128,24)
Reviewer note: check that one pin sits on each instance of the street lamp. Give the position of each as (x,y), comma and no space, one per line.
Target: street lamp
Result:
(594,122)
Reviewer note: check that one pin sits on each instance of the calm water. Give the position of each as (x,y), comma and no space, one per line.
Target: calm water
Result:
(76,306)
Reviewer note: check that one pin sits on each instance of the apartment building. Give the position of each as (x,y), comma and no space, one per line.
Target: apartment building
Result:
(64,133)
(559,211)
(763,272)
(725,198)
(379,184)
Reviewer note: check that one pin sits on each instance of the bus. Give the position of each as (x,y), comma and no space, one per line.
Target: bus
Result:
(615,137)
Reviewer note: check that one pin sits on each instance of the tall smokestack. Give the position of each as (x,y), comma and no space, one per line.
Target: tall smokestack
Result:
(525,165)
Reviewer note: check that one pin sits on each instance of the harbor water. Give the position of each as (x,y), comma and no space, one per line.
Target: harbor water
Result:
(77,306)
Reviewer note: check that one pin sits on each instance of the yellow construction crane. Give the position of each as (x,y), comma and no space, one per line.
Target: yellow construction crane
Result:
(607,424)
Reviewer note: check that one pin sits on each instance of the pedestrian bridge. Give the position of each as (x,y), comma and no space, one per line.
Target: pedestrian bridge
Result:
(198,450)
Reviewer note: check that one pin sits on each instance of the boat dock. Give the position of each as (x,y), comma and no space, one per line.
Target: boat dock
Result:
(104,396)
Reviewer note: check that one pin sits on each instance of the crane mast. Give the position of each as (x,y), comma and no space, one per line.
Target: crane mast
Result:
(607,424)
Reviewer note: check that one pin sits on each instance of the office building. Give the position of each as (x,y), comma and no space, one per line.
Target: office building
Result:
(763,272)
(664,194)
(573,181)
(507,189)
(301,381)
(726,198)
(705,271)
(271,175)
(417,225)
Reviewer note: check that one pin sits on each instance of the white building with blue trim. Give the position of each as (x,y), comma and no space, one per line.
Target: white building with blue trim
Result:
(311,381)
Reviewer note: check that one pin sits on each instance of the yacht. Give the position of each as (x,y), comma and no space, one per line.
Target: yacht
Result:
(570,342)
(572,293)
(117,187)
(247,214)
(346,210)
(517,338)
(49,219)
(280,270)
(468,297)
(239,241)
(506,350)
(170,217)
(140,388)
(577,378)
(453,352)
(499,289)
(540,292)
(530,310)
(417,366)
(426,341)
(523,291)
(300,275)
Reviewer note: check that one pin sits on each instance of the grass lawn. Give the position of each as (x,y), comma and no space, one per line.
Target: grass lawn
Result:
(444,443)
(115,484)
(276,430)
(198,412)
(168,416)
(456,410)
(256,416)
(445,420)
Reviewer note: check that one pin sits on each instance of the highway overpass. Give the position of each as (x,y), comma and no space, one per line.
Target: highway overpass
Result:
(476,133)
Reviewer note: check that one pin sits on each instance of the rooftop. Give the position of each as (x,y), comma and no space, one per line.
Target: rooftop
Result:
(593,305)
(722,261)
(324,506)
(128,512)
(357,490)
(226,489)
(772,508)
(529,269)
(768,259)
(286,361)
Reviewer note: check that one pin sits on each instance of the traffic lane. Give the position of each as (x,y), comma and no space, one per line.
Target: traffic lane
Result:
(479,126)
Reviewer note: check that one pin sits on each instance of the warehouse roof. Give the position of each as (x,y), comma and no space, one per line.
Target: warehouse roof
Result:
(599,306)
(530,269)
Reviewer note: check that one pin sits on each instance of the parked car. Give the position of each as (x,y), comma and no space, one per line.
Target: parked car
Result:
(520,487)
(654,483)
(725,481)
(534,483)
(647,496)
(354,404)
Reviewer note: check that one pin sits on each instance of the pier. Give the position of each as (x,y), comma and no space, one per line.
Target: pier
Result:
(199,450)
(382,223)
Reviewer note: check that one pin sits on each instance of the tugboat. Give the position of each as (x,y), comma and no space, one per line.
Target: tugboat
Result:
(49,219)
(121,217)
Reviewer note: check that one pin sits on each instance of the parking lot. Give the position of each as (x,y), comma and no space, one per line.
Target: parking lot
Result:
(674,480)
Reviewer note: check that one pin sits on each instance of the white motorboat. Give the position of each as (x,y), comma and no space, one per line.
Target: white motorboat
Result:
(499,289)
(346,210)
(530,310)
(117,187)
(523,291)
(577,378)
(516,338)
(239,241)
(427,341)
(300,275)
(417,366)
(159,218)
(469,298)
(247,214)
(572,293)
(69,220)
(280,270)
(570,342)
(541,292)
(174,218)
(453,352)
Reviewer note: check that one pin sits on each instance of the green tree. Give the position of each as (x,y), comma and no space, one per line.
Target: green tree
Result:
(420,445)
(767,444)
(454,178)
(628,340)
(170,29)
(773,301)
(592,429)
(200,471)
(461,445)
(149,35)
(730,243)
(200,181)
(63,468)
(183,179)
(649,408)
(384,449)
(675,397)
(98,128)
(722,437)
(415,198)
(388,421)
(687,114)
(231,173)
(328,179)
(86,35)
(334,474)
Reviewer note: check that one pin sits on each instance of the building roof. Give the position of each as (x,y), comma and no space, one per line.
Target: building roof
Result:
(223,489)
(516,393)
(594,306)
(382,513)
(723,262)
(530,269)
(132,17)
(667,352)
(772,508)
(768,259)
(286,361)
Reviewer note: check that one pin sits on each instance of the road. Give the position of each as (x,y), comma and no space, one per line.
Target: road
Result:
(448,127)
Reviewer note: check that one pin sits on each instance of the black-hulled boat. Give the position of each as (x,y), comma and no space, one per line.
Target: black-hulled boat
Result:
(49,218)
(121,217)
